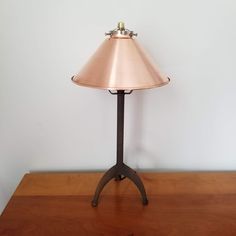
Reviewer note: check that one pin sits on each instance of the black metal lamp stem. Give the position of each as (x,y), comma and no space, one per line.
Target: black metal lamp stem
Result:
(120,127)
(120,170)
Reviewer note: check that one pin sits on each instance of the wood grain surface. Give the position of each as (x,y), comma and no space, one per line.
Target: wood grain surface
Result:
(185,203)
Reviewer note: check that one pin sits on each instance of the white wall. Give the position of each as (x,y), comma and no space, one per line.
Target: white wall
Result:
(48,123)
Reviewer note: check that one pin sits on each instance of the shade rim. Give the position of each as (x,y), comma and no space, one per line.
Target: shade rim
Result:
(121,88)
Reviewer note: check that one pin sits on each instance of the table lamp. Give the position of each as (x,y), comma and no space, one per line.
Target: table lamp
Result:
(120,65)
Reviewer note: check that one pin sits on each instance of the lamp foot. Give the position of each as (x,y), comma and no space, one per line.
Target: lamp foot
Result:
(145,201)
(119,172)
(94,203)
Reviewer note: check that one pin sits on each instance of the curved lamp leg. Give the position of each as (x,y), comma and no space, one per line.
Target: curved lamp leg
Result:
(110,174)
(132,175)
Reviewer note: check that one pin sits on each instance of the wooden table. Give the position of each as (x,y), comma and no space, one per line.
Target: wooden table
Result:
(190,203)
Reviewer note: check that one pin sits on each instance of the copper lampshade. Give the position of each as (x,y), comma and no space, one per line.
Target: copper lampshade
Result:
(120,63)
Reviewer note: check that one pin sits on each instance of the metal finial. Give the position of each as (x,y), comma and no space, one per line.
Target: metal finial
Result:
(121,25)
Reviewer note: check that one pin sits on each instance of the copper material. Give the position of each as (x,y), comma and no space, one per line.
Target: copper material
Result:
(120,63)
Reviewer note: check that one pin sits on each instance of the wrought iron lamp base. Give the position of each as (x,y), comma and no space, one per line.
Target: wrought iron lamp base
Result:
(120,170)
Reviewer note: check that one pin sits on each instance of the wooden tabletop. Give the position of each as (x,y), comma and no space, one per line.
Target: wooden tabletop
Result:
(184,203)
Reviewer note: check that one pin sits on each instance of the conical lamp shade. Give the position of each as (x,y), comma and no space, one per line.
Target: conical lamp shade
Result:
(120,63)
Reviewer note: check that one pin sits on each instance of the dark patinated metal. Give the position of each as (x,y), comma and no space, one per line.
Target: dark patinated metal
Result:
(120,170)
